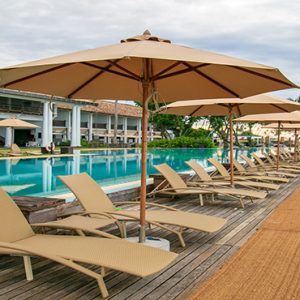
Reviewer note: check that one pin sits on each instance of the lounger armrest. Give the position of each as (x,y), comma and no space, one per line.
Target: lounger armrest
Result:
(65,215)
(69,227)
(187,188)
(101,214)
(147,204)
(58,259)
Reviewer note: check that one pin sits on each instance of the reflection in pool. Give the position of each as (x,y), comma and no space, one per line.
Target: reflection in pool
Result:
(37,176)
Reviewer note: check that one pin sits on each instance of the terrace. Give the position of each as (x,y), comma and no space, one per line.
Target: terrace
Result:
(203,255)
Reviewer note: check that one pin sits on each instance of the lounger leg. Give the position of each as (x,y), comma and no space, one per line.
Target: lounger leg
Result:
(242,202)
(80,232)
(124,229)
(181,240)
(212,197)
(201,199)
(102,287)
(28,268)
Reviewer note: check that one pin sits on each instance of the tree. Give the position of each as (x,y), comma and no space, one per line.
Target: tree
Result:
(220,126)
(179,125)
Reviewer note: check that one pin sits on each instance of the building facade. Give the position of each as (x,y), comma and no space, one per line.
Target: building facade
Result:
(61,120)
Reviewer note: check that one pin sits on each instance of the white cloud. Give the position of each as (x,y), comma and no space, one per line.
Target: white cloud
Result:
(265,31)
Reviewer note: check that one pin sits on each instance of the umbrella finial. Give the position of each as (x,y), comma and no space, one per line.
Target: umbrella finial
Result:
(147,32)
(146,36)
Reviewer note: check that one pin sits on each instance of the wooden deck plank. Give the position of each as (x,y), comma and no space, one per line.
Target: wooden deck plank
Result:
(204,254)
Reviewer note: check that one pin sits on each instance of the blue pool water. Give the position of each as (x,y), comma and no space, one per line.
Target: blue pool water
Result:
(37,176)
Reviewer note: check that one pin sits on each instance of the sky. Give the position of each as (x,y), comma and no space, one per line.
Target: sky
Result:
(263,31)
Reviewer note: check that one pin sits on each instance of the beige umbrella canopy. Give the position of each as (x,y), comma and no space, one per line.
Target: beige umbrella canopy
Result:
(290,118)
(223,107)
(16,123)
(142,68)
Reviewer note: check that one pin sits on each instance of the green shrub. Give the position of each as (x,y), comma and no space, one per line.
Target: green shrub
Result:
(183,142)
(64,143)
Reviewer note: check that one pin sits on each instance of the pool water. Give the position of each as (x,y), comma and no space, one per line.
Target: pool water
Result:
(37,176)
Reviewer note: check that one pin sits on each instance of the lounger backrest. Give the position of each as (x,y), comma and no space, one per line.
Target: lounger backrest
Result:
(258,159)
(268,158)
(14,148)
(13,225)
(199,170)
(273,156)
(88,192)
(250,163)
(238,166)
(221,169)
(171,176)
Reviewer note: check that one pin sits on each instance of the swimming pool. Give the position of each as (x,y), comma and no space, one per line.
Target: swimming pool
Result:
(37,176)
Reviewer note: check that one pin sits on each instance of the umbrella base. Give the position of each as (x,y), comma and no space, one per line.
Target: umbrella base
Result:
(156,242)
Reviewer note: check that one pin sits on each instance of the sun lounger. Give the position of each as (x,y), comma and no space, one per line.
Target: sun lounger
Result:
(17,238)
(273,167)
(253,166)
(16,151)
(224,173)
(179,188)
(257,175)
(205,178)
(95,202)
(272,159)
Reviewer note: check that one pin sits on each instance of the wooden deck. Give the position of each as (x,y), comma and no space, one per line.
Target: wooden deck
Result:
(203,255)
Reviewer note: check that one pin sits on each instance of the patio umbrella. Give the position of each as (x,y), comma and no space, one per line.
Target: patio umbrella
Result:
(142,68)
(224,107)
(279,118)
(16,123)
(288,126)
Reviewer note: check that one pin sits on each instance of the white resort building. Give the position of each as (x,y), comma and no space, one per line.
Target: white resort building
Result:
(62,119)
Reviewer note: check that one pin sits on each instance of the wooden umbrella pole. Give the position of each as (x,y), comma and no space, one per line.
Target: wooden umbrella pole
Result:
(145,83)
(278,145)
(231,145)
(295,146)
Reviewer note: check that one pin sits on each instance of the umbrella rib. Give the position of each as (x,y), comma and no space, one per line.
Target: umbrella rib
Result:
(281,108)
(36,74)
(156,77)
(109,71)
(124,69)
(89,80)
(263,76)
(188,69)
(212,80)
(196,110)
(84,84)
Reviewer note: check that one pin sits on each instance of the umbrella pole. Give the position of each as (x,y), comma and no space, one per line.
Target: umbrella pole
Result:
(142,236)
(295,146)
(231,145)
(278,145)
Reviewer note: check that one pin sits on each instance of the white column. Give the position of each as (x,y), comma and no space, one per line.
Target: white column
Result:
(8,137)
(74,121)
(108,128)
(50,123)
(139,130)
(78,135)
(90,126)
(45,132)
(151,132)
(125,129)
(69,125)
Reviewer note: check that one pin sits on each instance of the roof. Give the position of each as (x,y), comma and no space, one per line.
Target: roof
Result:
(107,107)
